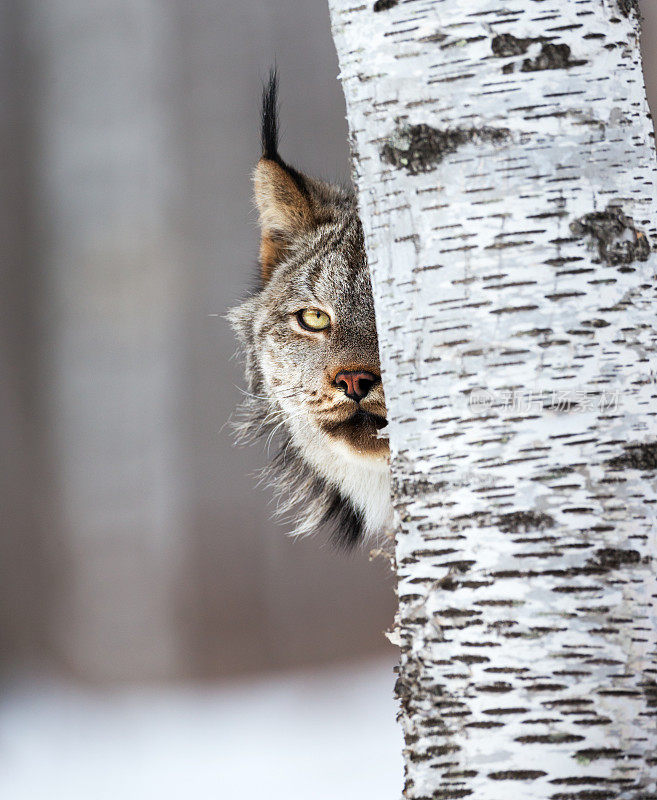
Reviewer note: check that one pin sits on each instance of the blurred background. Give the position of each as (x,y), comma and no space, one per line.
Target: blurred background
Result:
(159,635)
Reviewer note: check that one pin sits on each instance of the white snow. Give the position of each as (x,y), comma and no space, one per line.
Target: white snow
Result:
(322,735)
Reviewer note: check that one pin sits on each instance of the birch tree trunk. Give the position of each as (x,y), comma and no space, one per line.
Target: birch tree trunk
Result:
(504,161)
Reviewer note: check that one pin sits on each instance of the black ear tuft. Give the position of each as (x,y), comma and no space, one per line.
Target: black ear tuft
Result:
(282,195)
(269,127)
(269,130)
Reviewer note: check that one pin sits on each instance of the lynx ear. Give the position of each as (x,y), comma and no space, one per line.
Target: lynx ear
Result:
(285,210)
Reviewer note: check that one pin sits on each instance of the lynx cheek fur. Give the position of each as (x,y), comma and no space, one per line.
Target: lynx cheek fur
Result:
(312,361)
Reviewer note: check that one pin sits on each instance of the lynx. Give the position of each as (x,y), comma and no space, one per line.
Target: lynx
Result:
(312,360)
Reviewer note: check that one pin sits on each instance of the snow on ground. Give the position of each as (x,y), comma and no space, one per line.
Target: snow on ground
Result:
(323,735)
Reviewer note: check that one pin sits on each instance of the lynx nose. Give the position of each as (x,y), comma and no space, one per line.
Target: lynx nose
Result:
(356,385)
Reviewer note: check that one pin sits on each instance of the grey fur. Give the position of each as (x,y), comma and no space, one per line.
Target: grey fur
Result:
(331,466)
(290,376)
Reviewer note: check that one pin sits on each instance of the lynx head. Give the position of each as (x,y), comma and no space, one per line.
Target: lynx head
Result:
(312,360)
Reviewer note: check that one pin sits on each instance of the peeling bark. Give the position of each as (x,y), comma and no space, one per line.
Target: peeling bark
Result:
(505,167)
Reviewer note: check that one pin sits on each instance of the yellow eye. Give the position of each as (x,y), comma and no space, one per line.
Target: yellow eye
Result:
(312,319)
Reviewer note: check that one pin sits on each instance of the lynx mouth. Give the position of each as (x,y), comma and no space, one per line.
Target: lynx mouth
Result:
(377,420)
(359,420)
(361,432)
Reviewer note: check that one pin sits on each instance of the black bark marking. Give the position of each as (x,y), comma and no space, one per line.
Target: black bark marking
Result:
(458,612)
(419,148)
(517,775)
(552,56)
(650,693)
(442,749)
(471,659)
(437,36)
(609,558)
(484,725)
(559,472)
(617,239)
(507,670)
(498,687)
(550,738)
(589,779)
(384,5)
(575,589)
(505,711)
(597,753)
(464,773)
(524,521)
(575,701)
(513,309)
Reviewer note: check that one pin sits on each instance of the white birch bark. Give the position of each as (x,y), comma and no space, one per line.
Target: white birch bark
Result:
(504,162)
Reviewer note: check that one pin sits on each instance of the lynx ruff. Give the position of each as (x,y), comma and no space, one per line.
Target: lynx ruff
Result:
(311,352)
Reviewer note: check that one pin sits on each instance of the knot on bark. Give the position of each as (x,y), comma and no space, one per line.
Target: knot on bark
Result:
(617,239)
(419,148)
(506,44)
(552,56)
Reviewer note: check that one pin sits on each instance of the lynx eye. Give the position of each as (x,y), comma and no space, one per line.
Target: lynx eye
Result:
(312,319)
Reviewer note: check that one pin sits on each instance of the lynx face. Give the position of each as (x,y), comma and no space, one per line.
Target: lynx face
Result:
(312,352)
(317,346)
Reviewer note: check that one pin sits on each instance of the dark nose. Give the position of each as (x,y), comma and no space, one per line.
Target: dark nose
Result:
(356,385)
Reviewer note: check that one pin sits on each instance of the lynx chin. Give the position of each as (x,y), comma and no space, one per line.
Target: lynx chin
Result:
(312,358)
